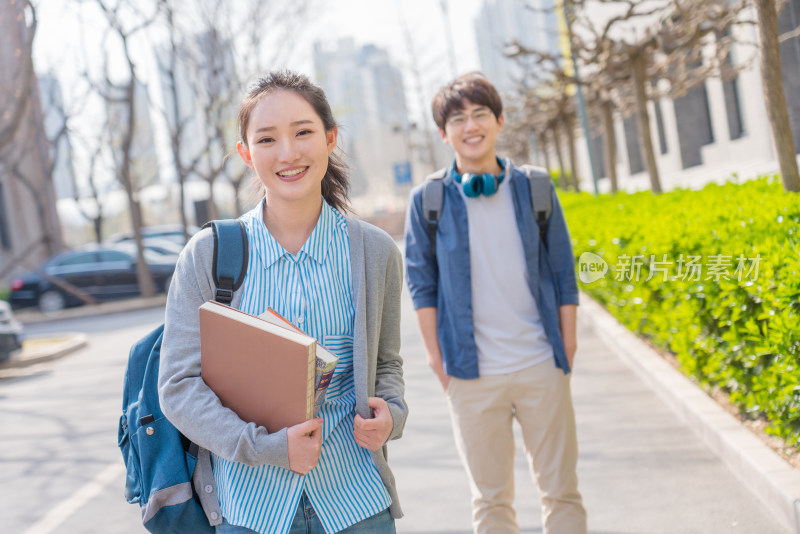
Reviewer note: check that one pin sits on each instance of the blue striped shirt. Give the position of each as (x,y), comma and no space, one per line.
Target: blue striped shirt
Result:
(313,290)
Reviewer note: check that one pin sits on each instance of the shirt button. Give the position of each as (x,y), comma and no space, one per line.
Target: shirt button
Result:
(299,320)
(208,488)
(214,515)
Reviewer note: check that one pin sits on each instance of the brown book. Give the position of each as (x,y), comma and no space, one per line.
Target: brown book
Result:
(263,372)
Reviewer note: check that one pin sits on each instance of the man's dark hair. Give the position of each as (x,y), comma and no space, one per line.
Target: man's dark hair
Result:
(472,86)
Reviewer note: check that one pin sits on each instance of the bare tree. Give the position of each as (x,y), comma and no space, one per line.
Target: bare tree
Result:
(550,105)
(125,20)
(175,63)
(23,79)
(772,83)
(222,50)
(23,143)
(97,215)
(621,60)
(516,131)
(670,48)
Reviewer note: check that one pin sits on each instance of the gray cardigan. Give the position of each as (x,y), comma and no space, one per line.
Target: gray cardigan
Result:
(196,411)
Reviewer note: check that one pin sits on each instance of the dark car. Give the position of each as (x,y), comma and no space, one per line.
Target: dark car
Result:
(103,272)
(10,332)
(172,232)
(159,245)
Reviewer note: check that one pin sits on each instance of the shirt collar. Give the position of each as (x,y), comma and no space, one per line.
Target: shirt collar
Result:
(319,242)
(316,247)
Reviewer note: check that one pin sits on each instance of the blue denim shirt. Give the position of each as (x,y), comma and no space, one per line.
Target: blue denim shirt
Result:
(444,282)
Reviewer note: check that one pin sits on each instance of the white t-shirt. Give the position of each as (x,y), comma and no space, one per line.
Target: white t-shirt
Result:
(509,333)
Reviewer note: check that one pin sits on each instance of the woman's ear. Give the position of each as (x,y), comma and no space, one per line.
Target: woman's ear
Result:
(244,153)
(333,135)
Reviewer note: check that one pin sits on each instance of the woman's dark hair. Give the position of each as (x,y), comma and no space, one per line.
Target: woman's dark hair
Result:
(335,183)
(472,86)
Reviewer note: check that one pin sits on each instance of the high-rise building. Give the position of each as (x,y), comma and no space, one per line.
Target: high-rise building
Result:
(533,23)
(60,155)
(365,90)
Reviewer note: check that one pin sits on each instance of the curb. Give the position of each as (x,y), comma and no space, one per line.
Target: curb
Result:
(53,346)
(762,470)
(35,317)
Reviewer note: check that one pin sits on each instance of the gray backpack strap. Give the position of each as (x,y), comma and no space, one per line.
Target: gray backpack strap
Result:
(541,197)
(432,202)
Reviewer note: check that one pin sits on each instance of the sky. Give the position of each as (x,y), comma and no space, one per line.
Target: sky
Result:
(59,41)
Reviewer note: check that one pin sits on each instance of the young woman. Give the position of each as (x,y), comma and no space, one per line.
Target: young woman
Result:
(336,278)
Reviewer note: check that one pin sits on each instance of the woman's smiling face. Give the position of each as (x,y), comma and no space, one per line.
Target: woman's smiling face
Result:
(287,146)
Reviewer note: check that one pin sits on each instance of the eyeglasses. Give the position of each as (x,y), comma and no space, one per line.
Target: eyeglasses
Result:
(459,120)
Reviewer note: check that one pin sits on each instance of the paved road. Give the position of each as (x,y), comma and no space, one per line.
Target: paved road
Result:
(641,470)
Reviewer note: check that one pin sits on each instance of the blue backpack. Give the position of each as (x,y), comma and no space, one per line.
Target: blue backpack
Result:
(541,189)
(160,461)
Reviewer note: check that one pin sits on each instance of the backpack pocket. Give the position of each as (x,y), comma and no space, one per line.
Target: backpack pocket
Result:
(162,462)
(133,477)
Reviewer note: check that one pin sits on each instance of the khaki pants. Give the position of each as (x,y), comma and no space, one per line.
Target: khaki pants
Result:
(482,411)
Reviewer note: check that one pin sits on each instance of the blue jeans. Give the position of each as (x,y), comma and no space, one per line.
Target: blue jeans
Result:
(306,522)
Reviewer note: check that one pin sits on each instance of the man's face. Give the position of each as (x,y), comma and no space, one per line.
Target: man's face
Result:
(472,132)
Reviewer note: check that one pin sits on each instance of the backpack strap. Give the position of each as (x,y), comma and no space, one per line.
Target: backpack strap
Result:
(432,202)
(541,198)
(231,256)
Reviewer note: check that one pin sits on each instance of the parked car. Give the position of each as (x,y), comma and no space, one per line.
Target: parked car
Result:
(173,232)
(105,272)
(159,245)
(10,331)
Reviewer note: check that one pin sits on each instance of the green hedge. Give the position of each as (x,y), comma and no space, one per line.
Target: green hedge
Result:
(735,330)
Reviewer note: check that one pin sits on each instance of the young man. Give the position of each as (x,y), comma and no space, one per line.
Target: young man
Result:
(497,308)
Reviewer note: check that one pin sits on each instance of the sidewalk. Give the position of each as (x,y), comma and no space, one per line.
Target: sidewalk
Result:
(34,316)
(643,467)
(773,481)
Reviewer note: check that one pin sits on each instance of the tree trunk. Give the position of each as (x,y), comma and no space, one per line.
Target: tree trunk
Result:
(543,148)
(177,127)
(570,129)
(643,119)
(610,145)
(213,214)
(97,222)
(143,276)
(772,83)
(562,179)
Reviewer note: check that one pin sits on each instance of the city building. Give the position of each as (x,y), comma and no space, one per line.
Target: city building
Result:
(714,131)
(55,127)
(532,23)
(366,92)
